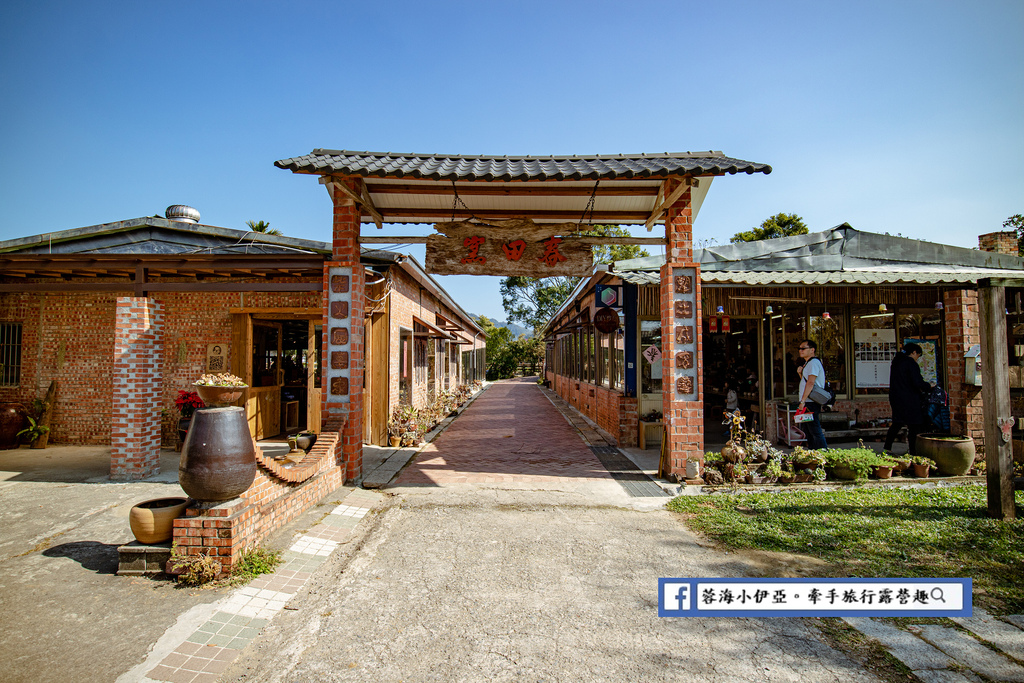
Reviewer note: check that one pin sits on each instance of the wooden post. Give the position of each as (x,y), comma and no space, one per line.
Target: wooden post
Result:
(995,395)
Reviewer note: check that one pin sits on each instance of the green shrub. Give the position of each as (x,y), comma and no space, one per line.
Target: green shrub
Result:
(860,460)
(255,561)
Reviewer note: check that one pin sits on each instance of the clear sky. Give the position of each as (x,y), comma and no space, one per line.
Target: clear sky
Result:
(898,117)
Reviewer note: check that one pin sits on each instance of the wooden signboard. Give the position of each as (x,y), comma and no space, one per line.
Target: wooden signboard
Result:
(513,247)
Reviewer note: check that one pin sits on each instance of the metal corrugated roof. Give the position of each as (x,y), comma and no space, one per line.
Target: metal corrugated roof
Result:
(459,167)
(841,255)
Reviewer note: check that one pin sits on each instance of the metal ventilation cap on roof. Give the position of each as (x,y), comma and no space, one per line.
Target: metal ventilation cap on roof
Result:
(182,212)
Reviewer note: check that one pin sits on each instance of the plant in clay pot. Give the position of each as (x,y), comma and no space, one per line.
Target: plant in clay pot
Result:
(220,390)
(34,430)
(187,403)
(922,465)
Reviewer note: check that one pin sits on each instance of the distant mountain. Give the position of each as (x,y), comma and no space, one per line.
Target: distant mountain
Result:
(516,330)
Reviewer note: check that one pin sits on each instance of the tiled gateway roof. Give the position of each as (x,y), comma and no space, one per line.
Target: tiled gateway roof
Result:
(458,167)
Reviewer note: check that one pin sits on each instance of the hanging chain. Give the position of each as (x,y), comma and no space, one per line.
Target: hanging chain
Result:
(590,206)
(458,200)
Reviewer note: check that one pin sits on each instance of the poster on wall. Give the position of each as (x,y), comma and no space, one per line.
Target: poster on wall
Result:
(873,351)
(928,362)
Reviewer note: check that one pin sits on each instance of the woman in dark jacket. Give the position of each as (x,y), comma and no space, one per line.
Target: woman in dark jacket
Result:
(906,396)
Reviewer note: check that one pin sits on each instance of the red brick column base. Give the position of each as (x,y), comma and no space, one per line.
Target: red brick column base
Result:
(137,384)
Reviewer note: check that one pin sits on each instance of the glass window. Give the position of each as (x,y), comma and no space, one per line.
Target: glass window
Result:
(874,344)
(620,360)
(405,367)
(650,373)
(10,354)
(794,323)
(830,335)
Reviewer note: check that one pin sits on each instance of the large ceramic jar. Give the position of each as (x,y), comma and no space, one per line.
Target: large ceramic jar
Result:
(152,521)
(218,459)
(13,419)
(953,455)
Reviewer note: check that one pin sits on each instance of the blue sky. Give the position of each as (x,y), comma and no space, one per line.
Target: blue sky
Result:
(903,117)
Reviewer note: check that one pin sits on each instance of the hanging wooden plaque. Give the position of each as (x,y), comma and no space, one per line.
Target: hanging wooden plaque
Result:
(513,247)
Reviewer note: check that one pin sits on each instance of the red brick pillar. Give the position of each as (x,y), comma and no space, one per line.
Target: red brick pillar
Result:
(682,384)
(962,332)
(137,380)
(342,407)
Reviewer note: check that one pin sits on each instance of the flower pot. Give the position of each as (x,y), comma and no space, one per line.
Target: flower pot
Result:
(396,441)
(953,455)
(305,441)
(183,425)
(921,470)
(882,472)
(844,473)
(13,419)
(218,459)
(152,521)
(219,397)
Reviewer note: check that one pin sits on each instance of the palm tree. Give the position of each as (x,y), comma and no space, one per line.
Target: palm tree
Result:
(262,226)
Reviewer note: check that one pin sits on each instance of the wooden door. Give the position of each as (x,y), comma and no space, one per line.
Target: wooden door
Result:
(375,380)
(312,373)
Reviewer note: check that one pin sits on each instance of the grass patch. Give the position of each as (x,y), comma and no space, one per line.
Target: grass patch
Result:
(877,532)
(254,562)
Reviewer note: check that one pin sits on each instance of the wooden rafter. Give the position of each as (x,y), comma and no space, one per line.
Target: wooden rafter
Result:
(661,207)
(361,198)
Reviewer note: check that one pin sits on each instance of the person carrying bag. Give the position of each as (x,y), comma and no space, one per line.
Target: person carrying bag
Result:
(812,381)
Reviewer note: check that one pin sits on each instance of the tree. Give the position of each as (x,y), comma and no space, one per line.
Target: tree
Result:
(779,225)
(262,226)
(532,301)
(1016,223)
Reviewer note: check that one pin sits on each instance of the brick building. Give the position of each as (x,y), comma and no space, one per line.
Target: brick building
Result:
(131,312)
(859,295)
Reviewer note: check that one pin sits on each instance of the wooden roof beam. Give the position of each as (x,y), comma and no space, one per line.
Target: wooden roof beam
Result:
(661,207)
(361,198)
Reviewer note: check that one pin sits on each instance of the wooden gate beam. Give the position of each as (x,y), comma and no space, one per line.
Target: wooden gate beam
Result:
(995,395)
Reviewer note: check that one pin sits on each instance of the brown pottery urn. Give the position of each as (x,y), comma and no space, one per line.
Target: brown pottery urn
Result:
(218,458)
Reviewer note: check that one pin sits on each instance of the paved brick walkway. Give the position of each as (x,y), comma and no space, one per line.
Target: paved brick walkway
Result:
(510,434)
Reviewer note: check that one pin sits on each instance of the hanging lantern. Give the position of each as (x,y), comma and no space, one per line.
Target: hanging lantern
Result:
(768,310)
(939,306)
(721,310)
(826,316)
(881,308)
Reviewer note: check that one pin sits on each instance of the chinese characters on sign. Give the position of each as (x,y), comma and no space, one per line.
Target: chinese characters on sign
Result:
(513,247)
(814,597)
(684,306)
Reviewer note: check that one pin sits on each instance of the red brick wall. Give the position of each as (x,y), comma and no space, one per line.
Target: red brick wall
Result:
(1001,242)
(224,531)
(408,299)
(962,332)
(70,337)
(136,380)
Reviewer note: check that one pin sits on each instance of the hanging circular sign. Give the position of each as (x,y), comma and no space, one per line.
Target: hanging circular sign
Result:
(606,320)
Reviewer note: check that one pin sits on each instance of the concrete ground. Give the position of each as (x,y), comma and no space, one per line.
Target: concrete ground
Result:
(527,576)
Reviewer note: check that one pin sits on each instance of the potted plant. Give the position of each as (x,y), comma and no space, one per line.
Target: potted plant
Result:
(953,455)
(772,471)
(187,403)
(922,465)
(788,476)
(33,432)
(220,390)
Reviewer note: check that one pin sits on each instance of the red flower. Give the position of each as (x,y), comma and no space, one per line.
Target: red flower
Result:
(188,402)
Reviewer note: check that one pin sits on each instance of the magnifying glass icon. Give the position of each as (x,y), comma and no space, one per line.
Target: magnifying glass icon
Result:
(938,595)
